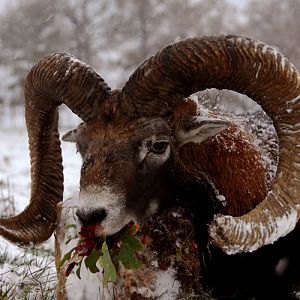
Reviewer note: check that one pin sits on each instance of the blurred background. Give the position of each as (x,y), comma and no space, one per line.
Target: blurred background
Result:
(114,37)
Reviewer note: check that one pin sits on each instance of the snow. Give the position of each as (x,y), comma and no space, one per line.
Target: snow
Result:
(74,60)
(163,285)
(222,199)
(88,287)
(15,166)
(18,264)
(281,225)
(8,83)
(15,169)
(166,286)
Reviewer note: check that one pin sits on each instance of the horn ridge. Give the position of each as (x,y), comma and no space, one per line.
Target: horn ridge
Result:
(56,79)
(249,67)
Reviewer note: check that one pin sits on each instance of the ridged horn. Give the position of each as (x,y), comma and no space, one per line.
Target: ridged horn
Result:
(249,67)
(56,79)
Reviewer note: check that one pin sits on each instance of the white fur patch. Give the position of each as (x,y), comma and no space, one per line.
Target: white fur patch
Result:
(118,216)
(156,160)
(207,129)
(114,204)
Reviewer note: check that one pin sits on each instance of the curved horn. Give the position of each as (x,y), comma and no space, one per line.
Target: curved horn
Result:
(56,79)
(248,67)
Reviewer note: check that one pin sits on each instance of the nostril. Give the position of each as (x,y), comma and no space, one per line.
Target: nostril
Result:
(91,217)
(97,215)
(81,216)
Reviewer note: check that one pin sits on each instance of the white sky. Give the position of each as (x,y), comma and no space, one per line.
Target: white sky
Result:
(5,3)
(240,3)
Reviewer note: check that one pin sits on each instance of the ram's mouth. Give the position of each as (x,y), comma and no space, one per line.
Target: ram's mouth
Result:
(95,234)
(90,247)
(94,231)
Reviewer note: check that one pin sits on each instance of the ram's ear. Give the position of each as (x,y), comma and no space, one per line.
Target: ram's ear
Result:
(199,129)
(70,136)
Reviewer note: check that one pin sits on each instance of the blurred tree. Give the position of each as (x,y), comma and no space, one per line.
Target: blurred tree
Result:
(85,24)
(276,23)
(113,36)
(28,31)
(141,27)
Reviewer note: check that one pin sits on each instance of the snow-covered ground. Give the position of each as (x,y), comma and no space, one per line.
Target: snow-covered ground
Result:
(15,184)
(15,167)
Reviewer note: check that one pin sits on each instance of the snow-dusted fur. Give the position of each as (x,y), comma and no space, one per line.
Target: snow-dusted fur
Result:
(271,272)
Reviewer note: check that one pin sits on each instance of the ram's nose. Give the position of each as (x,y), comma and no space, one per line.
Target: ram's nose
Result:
(91,217)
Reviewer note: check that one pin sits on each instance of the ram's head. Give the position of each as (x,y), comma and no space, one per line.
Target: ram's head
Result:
(129,138)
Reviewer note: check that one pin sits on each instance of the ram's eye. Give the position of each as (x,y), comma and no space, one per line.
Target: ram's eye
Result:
(159,147)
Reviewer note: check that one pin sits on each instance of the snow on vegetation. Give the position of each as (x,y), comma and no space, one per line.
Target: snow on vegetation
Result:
(27,273)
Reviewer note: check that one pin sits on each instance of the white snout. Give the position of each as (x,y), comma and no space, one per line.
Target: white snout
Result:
(117,214)
(117,217)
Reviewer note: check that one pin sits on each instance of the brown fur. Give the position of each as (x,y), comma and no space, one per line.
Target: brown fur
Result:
(233,165)
(230,160)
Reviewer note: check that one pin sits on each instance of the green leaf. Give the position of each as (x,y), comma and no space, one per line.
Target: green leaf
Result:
(134,243)
(128,258)
(71,226)
(109,270)
(91,261)
(66,257)
(127,254)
